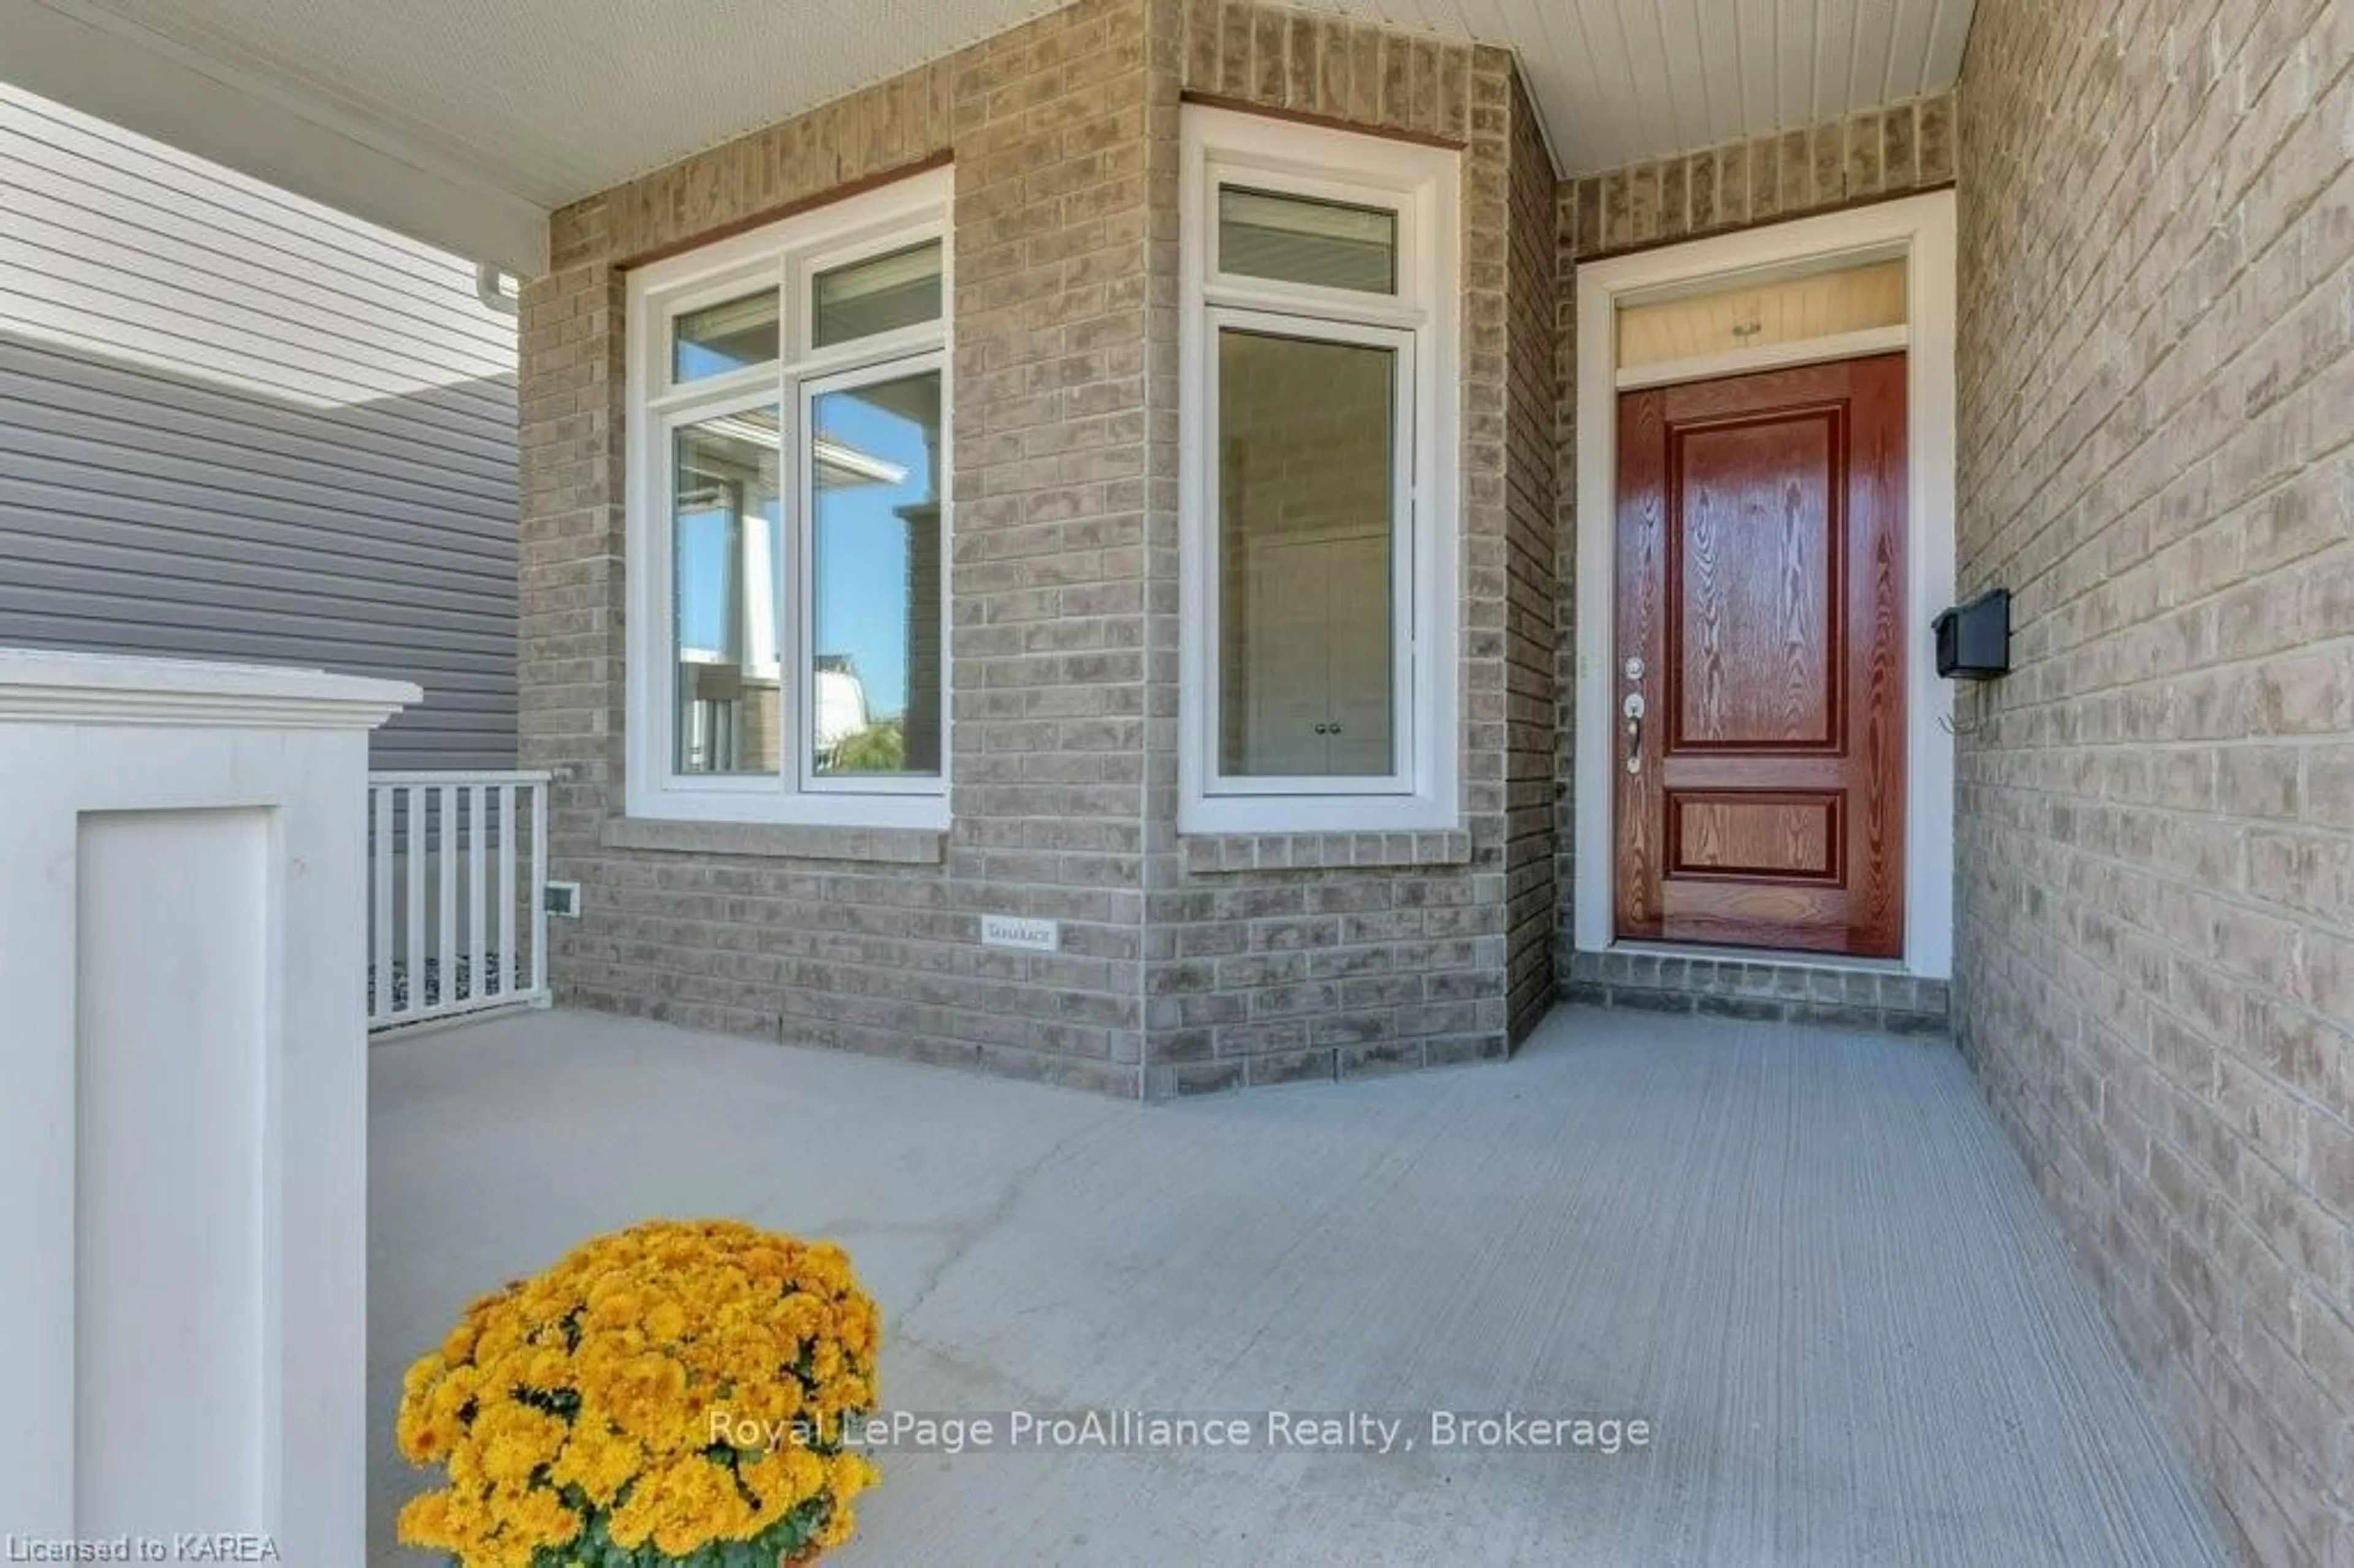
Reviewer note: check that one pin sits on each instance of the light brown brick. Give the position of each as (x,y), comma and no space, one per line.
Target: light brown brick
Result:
(2147,456)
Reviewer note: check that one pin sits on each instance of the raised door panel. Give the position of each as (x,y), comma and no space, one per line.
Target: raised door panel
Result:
(1754,834)
(1754,563)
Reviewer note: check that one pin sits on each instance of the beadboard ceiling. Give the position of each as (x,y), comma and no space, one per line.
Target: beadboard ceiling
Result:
(1618,81)
(464,122)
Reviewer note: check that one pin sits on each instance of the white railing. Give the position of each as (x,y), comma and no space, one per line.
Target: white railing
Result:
(457,893)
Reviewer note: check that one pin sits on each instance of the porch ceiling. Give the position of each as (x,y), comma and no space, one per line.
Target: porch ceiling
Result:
(463,124)
(1618,81)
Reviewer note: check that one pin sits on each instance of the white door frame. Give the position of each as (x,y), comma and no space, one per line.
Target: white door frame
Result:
(1920,230)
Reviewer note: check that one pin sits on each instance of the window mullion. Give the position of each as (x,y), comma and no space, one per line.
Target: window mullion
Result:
(1211,558)
(733,384)
(786,568)
(1405,735)
(793,697)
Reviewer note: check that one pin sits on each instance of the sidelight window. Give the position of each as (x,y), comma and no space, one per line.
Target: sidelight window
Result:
(1317,497)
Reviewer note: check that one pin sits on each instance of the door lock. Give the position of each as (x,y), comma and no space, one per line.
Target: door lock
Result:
(1633,708)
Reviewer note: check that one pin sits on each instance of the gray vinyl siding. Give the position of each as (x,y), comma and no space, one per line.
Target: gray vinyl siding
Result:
(235,424)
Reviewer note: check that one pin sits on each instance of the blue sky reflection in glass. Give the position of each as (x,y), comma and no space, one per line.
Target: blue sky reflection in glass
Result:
(875,484)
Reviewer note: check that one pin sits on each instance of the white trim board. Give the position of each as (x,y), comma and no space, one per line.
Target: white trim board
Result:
(1919,230)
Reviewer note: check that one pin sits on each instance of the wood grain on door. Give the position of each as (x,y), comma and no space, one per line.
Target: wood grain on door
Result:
(1758,683)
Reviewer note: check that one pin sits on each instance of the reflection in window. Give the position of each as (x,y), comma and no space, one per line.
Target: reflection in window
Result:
(877,294)
(1298,239)
(720,338)
(875,576)
(725,521)
(1307,515)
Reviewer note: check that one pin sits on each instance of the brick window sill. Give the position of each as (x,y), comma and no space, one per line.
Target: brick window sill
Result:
(790,840)
(1209,853)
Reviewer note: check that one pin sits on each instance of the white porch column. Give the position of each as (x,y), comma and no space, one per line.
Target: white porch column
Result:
(182,1125)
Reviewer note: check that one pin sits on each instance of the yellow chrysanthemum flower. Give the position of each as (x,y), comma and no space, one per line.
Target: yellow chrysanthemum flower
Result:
(840,1523)
(597,1460)
(655,1380)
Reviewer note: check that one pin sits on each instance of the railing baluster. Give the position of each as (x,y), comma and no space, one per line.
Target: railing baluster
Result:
(443,818)
(478,945)
(508,892)
(380,902)
(445,878)
(413,843)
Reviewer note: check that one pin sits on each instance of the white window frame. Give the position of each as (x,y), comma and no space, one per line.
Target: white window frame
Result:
(787,256)
(1421,185)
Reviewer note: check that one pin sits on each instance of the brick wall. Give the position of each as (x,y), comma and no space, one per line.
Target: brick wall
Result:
(1881,153)
(1296,956)
(2155,844)
(1188,964)
(1534,628)
(870,941)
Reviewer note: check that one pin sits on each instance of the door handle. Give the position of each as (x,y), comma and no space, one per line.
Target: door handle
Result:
(1633,709)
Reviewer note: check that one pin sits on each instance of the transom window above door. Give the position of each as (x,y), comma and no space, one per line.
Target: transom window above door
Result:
(787,520)
(1319,398)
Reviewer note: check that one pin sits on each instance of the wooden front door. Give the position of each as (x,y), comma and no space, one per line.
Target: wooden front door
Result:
(1758,682)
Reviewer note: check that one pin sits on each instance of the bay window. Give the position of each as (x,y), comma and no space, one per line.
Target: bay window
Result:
(787,520)
(1318,579)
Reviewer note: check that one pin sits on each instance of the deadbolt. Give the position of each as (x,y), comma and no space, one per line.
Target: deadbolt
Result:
(1634,669)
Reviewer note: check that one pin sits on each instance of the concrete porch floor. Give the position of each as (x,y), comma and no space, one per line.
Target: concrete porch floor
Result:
(1808,1258)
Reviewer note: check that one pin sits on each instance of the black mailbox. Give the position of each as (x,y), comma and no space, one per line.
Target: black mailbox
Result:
(1974,638)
